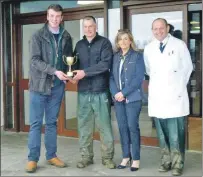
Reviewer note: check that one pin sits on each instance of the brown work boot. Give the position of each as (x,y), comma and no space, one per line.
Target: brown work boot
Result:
(57,162)
(31,167)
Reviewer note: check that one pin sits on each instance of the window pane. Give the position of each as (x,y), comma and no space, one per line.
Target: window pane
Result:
(113,4)
(9,107)
(71,110)
(195,23)
(37,6)
(8,43)
(28,31)
(195,47)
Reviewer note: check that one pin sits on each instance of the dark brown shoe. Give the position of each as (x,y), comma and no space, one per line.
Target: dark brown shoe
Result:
(31,167)
(57,162)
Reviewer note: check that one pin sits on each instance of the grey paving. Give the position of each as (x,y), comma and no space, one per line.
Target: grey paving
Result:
(14,158)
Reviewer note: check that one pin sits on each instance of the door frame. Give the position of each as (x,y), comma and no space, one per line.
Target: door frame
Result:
(13,83)
(36,18)
(155,8)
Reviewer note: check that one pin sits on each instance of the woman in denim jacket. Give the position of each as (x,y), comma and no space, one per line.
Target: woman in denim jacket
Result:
(126,78)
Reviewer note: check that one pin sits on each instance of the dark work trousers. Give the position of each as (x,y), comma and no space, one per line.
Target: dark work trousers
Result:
(171,134)
(95,108)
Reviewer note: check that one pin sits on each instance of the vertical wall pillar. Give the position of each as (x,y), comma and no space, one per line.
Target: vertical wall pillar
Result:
(113,21)
(1,65)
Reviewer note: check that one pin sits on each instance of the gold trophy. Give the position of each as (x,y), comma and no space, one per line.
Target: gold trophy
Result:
(68,60)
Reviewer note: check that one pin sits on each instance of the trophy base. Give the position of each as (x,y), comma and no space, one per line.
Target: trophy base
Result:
(70,74)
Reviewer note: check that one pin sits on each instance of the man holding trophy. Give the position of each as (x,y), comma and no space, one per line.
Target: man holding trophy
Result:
(46,84)
(94,54)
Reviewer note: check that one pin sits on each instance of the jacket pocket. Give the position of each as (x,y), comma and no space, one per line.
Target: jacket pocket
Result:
(134,96)
(37,74)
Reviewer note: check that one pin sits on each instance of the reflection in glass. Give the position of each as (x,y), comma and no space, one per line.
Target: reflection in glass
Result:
(9,107)
(195,47)
(28,31)
(71,110)
(90,2)
(26,107)
(73,27)
(195,23)
(195,13)
(144,35)
(8,44)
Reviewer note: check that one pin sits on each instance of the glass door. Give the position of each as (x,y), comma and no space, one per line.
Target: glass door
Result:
(26,27)
(140,23)
(27,31)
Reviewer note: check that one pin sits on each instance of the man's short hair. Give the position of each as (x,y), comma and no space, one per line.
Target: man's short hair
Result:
(90,18)
(55,7)
(162,19)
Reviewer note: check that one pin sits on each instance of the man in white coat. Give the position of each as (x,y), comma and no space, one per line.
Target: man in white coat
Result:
(169,66)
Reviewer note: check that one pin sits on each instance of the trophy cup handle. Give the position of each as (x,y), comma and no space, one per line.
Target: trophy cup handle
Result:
(75,57)
(64,59)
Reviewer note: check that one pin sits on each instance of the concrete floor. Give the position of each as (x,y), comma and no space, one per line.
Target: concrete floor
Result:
(14,158)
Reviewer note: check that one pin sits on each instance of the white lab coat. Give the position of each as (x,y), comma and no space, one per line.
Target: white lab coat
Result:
(169,74)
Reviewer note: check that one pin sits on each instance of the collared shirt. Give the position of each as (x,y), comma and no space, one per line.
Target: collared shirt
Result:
(123,57)
(53,31)
(165,41)
(120,69)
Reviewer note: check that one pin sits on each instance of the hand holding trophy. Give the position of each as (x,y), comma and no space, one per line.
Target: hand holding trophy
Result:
(69,60)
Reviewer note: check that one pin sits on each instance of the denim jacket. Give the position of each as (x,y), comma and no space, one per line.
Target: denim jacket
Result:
(134,69)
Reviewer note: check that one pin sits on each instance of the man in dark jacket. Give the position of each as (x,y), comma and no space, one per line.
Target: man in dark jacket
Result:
(94,54)
(46,85)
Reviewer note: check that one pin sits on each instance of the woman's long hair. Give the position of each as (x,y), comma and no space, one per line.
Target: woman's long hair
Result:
(118,38)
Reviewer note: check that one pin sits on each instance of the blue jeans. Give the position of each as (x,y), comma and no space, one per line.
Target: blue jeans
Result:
(50,105)
(127,115)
